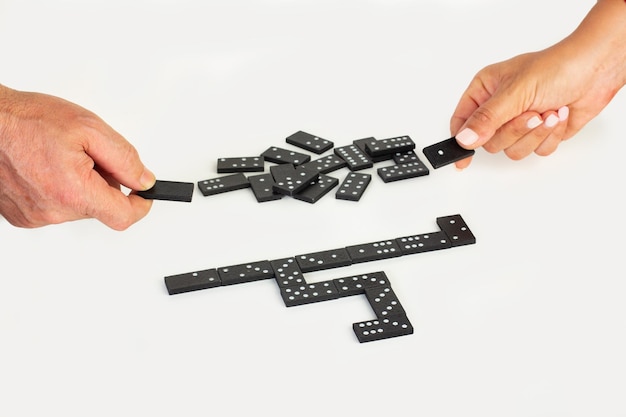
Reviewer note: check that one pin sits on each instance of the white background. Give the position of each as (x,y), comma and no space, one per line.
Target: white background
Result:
(527,322)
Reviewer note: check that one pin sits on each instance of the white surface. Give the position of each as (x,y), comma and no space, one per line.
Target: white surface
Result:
(527,322)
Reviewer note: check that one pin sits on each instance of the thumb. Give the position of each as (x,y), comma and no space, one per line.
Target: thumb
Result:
(485,120)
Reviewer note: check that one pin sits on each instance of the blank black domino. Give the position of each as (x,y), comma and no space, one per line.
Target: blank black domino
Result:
(402,171)
(287,272)
(243,164)
(169,190)
(252,271)
(318,189)
(192,281)
(384,301)
(423,243)
(290,180)
(223,184)
(361,144)
(328,259)
(357,284)
(326,164)
(446,152)
(390,146)
(309,293)
(263,188)
(353,186)
(285,156)
(455,227)
(310,142)
(374,251)
(378,329)
(355,158)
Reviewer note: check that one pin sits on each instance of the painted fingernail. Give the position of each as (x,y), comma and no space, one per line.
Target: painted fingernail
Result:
(147,179)
(563,113)
(552,120)
(533,122)
(467,136)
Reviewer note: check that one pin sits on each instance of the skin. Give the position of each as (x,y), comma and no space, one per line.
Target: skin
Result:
(60,162)
(581,74)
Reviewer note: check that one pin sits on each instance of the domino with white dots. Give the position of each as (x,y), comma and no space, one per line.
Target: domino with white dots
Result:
(309,293)
(310,142)
(317,261)
(374,251)
(223,184)
(446,152)
(279,155)
(248,272)
(353,186)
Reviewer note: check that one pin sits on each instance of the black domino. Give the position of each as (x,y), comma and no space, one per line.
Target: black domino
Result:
(285,156)
(362,145)
(262,187)
(326,164)
(243,164)
(223,184)
(318,189)
(310,142)
(374,251)
(384,301)
(328,259)
(405,157)
(353,186)
(446,152)
(403,171)
(456,229)
(357,284)
(423,243)
(309,293)
(192,281)
(390,146)
(287,272)
(290,180)
(169,190)
(355,158)
(379,329)
(248,272)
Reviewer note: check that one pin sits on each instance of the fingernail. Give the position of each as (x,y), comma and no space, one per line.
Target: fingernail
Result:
(552,120)
(147,179)
(563,113)
(467,136)
(533,122)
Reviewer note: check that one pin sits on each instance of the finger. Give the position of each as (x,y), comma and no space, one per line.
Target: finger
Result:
(531,141)
(513,131)
(554,139)
(463,163)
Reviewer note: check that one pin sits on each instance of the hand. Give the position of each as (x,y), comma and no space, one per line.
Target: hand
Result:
(60,162)
(533,101)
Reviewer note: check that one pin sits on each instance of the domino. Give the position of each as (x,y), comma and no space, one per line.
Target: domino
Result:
(309,293)
(289,181)
(318,189)
(357,284)
(384,301)
(355,158)
(353,186)
(285,156)
(361,144)
(405,157)
(223,184)
(169,190)
(287,272)
(253,271)
(244,164)
(402,172)
(326,164)
(192,281)
(371,330)
(446,152)
(423,243)
(455,227)
(374,251)
(390,146)
(263,188)
(328,259)
(310,142)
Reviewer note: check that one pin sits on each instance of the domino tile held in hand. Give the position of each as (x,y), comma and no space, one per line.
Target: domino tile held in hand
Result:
(192,281)
(223,184)
(287,272)
(361,144)
(243,164)
(374,251)
(318,189)
(353,186)
(378,329)
(402,172)
(252,271)
(356,284)
(169,190)
(455,227)
(327,259)
(390,146)
(446,152)
(263,188)
(285,156)
(423,243)
(355,158)
(309,293)
(326,164)
(310,142)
